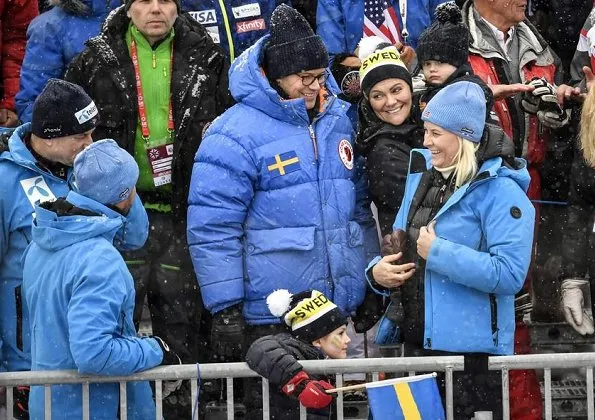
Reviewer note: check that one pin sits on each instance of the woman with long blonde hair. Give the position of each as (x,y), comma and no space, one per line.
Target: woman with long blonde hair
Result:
(578,250)
(469,232)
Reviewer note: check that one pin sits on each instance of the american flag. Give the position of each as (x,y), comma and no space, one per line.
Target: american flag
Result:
(380,19)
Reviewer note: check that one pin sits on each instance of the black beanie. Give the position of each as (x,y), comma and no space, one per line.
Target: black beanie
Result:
(129,3)
(309,314)
(63,109)
(292,47)
(445,40)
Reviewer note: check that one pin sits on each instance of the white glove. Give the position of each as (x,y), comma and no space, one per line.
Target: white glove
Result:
(574,306)
(170,387)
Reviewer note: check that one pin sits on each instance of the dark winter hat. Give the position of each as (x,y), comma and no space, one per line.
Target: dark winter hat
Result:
(293,47)
(380,61)
(310,314)
(105,172)
(62,109)
(459,108)
(447,39)
(129,3)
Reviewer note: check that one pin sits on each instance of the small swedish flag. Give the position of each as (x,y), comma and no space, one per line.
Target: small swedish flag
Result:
(283,163)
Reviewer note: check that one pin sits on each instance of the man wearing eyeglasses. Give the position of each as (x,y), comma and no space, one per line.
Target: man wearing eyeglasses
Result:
(276,200)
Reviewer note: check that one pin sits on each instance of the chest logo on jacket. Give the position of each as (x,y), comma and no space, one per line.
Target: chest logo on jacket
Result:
(283,164)
(250,25)
(346,153)
(37,190)
(246,11)
(205,17)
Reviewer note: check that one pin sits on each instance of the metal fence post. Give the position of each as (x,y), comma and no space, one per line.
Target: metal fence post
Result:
(158,400)
(449,394)
(590,402)
(505,395)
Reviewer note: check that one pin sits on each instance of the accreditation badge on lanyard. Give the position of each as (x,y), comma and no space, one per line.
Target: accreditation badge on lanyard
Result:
(160,157)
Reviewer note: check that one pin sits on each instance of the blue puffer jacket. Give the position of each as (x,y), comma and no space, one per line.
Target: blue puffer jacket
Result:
(340,23)
(233,24)
(80,295)
(478,261)
(53,39)
(22,185)
(276,202)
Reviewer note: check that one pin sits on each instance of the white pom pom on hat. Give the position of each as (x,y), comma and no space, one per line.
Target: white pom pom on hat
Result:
(279,302)
(369,45)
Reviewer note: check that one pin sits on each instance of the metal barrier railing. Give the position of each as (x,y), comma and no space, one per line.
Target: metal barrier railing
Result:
(545,362)
(230,371)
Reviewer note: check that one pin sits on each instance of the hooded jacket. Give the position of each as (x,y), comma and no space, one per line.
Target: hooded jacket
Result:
(15,16)
(53,40)
(481,254)
(277,201)
(22,184)
(81,297)
(341,23)
(199,92)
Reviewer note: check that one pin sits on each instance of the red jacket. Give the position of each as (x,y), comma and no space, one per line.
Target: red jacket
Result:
(536,60)
(15,16)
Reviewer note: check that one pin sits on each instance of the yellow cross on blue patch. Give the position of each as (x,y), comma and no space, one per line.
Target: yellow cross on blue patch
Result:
(283,163)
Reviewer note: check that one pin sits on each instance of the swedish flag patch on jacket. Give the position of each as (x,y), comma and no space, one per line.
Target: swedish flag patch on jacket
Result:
(283,163)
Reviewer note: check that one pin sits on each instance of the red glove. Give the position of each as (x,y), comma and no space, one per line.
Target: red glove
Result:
(311,393)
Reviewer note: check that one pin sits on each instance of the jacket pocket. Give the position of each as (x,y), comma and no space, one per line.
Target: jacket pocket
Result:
(18,301)
(356,235)
(282,239)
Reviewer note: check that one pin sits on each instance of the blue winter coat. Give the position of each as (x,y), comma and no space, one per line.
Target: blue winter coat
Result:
(253,228)
(54,38)
(340,23)
(22,185)
(233,24)
(478,261)
(80,295)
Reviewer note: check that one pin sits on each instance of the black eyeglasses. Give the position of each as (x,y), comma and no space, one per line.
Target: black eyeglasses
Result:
(308,79)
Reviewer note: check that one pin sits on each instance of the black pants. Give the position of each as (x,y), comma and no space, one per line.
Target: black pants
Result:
(474,389)
(162,272)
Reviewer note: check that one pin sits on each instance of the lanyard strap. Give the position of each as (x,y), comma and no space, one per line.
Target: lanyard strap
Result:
(403,11)
(142,111)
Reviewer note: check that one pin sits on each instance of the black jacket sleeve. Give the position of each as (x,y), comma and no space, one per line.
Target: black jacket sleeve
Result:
(274,358)
(577,251)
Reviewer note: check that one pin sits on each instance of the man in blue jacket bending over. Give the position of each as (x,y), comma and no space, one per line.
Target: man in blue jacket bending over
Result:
(35,166)
(81,294)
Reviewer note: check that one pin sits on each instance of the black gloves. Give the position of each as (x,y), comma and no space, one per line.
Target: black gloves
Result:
(542,102)
(170,357)
(227,334)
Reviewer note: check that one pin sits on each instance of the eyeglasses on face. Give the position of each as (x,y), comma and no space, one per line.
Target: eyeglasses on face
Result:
(308,79)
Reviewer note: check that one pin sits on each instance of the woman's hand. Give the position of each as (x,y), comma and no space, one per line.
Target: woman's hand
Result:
(391,275)
(506,91)
(424,242)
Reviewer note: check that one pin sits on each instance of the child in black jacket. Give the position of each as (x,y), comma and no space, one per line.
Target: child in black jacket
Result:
(318,331)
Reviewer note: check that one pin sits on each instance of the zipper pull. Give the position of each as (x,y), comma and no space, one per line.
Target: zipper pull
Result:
(154,59)
(442,189)
(314,143)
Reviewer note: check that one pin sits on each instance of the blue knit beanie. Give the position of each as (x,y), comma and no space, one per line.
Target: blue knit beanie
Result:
(105,172)
(459,108)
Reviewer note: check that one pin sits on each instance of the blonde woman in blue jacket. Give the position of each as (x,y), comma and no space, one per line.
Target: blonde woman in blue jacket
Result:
(469,228)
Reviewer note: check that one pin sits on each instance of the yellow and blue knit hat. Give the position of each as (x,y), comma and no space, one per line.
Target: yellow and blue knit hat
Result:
(310,314)
(380,61)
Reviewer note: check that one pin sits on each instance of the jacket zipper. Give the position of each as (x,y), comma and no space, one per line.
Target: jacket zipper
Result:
(441,193)
(19,309)
(314,142)
(227,31)
(494,318)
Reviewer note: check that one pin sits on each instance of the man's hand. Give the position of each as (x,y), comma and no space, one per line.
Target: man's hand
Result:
(506,91)
(8,118)
(574,306)
(390,275)
(567,93)
(227,334)
(426,237)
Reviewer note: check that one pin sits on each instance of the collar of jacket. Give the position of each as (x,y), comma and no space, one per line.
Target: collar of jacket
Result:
(142,42)
(22,156)
(529,39)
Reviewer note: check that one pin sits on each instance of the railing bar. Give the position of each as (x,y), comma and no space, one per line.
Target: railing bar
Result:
(265,400)
(47,393)
(86,409)
(303,414)
(193,394)
(449,394)
(505,395)
(590,402)
(375,376)
(9,403)
(230,404)
(547,376)
(411,373)
(123,401)
(158,400)
(340,408)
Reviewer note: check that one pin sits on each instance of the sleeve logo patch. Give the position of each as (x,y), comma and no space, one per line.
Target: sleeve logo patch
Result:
(346,153)
(37,190)
(283,163)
